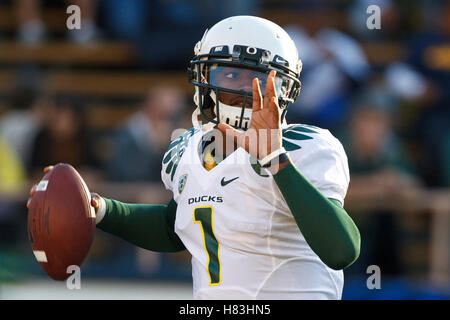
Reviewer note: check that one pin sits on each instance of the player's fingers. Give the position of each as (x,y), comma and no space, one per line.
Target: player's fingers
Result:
(48,168)
(94,203)
(95,200)
(33,190)
(275,107)
(28,203)
(270,89)
(257,97)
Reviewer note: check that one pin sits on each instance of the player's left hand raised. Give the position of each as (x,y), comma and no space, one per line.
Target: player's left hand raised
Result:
(264,135)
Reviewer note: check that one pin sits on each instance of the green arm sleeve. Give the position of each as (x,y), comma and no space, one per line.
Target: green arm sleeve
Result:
(145,225)
(326,226)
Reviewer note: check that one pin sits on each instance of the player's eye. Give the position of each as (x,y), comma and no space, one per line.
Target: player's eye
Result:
(231,75)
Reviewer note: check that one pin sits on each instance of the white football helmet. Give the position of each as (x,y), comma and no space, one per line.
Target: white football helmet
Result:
(229,56)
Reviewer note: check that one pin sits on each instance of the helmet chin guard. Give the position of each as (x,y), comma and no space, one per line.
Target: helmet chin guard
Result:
(238,117)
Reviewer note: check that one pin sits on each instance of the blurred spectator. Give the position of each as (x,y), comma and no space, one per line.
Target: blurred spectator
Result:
(12,184)
(62,137)
(405,82)
(334,66)
(429,54)
(32,29)
(20,123)
(141,143)
(12,171)
(381,172)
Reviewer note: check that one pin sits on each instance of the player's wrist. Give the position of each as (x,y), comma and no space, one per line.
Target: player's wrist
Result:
(275,161)
(276,168)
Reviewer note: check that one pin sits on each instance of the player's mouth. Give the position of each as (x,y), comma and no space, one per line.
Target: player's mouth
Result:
(235,100)
(239,101)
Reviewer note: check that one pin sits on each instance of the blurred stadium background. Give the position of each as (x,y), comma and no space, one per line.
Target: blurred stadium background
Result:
(106,99)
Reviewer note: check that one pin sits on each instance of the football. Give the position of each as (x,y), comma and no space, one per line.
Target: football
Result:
(61,221)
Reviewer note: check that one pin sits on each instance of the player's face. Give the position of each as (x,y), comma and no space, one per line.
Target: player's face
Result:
(238,79)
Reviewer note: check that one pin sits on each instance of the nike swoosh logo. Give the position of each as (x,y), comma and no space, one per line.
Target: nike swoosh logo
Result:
(225,182)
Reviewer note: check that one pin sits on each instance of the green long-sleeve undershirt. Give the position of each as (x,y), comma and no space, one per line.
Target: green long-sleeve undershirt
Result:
(145,225)
(326,226)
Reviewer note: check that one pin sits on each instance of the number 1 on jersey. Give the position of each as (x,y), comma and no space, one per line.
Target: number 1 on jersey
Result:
(204,216)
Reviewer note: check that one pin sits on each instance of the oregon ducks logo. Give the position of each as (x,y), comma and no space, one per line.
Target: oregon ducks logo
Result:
(182,183)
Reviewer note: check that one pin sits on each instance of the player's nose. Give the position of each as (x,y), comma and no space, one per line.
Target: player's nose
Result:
(246,82)
(247,86)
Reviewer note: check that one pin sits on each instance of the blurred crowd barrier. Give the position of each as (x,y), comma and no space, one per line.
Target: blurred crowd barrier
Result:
(107,98)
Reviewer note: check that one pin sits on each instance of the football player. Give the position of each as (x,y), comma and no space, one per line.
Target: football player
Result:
(257,202)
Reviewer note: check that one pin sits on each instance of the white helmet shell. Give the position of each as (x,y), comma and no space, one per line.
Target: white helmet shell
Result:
(252,32)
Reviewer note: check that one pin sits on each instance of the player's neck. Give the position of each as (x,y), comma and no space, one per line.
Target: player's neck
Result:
(212,152)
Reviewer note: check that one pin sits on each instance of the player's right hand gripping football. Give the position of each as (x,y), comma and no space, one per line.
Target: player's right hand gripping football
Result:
(95,197)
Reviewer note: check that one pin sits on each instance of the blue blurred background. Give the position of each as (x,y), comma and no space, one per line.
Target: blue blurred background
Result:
(106,99)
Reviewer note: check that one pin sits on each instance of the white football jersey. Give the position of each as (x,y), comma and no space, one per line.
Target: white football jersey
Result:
(233,219)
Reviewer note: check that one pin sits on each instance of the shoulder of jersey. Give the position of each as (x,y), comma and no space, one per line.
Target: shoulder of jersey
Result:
(307,138)
(175,152)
